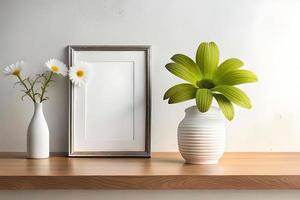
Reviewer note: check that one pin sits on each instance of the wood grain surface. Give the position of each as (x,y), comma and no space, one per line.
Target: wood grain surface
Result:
(162,171)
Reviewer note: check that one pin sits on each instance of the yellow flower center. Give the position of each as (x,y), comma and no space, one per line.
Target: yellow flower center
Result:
(80,73)
(54,68)
(16,72)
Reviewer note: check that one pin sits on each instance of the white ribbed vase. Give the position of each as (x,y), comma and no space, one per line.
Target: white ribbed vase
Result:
(201,136)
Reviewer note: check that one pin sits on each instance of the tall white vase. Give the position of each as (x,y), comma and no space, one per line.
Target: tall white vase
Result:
(38,134)
(201,136)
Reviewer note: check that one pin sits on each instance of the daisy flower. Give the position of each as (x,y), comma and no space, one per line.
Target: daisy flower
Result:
(57,67)
(79,74)
(14,69)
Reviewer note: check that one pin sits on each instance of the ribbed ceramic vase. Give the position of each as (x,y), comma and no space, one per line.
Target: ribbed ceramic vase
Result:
(201,136)
(38,134)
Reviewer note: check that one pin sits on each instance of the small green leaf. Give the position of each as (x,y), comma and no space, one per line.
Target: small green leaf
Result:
(235,95)
(182,72)
(188,63)
(236,77)
(203,99)
(207,57)
(177,94)
(177,89)
(227,66)
(225,105)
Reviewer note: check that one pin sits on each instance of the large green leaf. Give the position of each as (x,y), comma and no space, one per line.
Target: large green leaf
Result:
(207,57)
(179,89)
(236,77)
(227,66)
(225,105)
(188,63)
(203,99)
(235,95)
(180,93)
(182,72)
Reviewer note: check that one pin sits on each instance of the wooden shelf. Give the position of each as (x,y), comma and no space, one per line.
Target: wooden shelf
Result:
(162,171)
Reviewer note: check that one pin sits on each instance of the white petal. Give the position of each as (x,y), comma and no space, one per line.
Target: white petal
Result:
(62,69)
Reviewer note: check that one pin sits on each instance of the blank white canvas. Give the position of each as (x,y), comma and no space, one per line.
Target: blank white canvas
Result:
(110,99)
(109,111)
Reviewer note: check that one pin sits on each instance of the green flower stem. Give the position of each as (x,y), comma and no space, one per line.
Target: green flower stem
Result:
(32,89)
(45,86)
(27,89)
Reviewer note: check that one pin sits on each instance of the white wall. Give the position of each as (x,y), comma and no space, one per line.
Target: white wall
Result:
(263,33)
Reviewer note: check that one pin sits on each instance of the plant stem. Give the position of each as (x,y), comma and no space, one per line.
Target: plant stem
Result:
(45,86)
(28,91)
(31,88)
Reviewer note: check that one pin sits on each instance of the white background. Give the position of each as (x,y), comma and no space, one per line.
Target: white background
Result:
(265,34)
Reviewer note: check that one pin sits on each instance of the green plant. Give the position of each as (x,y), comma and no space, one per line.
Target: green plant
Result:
(207,80)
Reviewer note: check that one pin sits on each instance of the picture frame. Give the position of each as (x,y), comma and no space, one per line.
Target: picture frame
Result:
(101,123)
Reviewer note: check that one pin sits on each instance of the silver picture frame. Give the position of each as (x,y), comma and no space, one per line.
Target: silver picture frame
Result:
(146,152)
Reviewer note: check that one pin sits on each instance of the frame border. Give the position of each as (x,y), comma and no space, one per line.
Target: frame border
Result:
(147,152)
